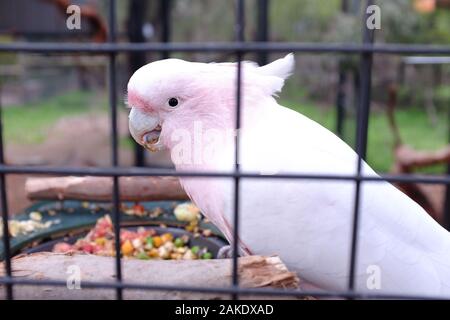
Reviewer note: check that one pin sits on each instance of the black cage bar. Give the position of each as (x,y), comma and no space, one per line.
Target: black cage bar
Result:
(239,47)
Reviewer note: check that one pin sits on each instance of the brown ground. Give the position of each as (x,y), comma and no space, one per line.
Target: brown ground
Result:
(73,141)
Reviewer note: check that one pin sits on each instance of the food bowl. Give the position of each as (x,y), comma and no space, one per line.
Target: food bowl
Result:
(212,243)
(71,220)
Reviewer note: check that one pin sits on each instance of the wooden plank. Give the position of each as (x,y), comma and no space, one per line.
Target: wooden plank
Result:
(254,272)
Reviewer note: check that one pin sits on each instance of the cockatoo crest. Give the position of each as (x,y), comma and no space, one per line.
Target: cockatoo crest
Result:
(271,76)
(204,91)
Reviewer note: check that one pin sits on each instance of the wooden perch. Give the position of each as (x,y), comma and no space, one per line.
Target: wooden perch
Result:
(407,159)
(430,197)
(410,158)
(100,188)
(254,272)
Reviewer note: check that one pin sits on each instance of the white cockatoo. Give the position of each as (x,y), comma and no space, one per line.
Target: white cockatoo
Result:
(190,108)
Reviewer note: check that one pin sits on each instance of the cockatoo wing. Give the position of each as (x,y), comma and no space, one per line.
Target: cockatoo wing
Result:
(310,222)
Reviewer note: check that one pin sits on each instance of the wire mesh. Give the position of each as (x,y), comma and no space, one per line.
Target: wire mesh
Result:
(239,47)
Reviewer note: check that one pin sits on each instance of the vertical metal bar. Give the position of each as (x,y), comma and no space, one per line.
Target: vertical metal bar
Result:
(136,16)
(164,8)
(446,220)
(342,79)
(262,28)
(239,29)
(340,101)
(4,208)
(361,138)
(114,145)
(345,6)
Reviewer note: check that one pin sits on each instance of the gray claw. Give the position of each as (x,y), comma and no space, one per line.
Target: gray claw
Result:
(225,252)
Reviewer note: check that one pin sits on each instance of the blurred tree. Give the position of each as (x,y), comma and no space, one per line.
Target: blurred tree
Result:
(427,6)
(303,20)
(401,22)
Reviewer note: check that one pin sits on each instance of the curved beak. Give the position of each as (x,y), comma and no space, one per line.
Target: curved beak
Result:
(145,129)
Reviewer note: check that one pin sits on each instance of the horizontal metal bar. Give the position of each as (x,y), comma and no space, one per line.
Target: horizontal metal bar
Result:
(219,290)
(104,48)
(426,60)
(139,171)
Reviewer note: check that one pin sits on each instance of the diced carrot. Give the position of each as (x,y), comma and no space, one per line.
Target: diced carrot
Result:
(127,248)
(166,237)
(153,253)
(100,241)
(157,241)
(138,209)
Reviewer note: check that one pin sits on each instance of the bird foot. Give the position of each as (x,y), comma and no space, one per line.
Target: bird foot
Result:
(225,252)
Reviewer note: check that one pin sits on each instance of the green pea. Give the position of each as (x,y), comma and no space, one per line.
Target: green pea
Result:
(149,241)
(207,255)
(143,256)
(195,249)
(178,242)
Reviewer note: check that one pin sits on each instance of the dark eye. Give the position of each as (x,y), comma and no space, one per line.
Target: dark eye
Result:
(173,102)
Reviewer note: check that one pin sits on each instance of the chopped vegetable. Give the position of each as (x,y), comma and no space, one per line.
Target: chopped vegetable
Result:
(166,237)
(100,241)
(195,249)
(163,252)
(156,212)
(143,256)
(153,253)
(157,241)
(207,255)
(22,227)
(139,209)
(51,213)
(137,243)
(175,256)
(141,244)
(192,226)
(35,216)
(169,246)
(127,248)
(189,255)
(178,242)
(187,212)
(207,233)
(149,241)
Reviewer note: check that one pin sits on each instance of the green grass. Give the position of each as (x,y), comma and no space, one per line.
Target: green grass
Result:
(415,129)
(127,142)
(28,124)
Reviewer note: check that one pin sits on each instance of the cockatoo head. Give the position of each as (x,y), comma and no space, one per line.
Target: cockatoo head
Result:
(171,94)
